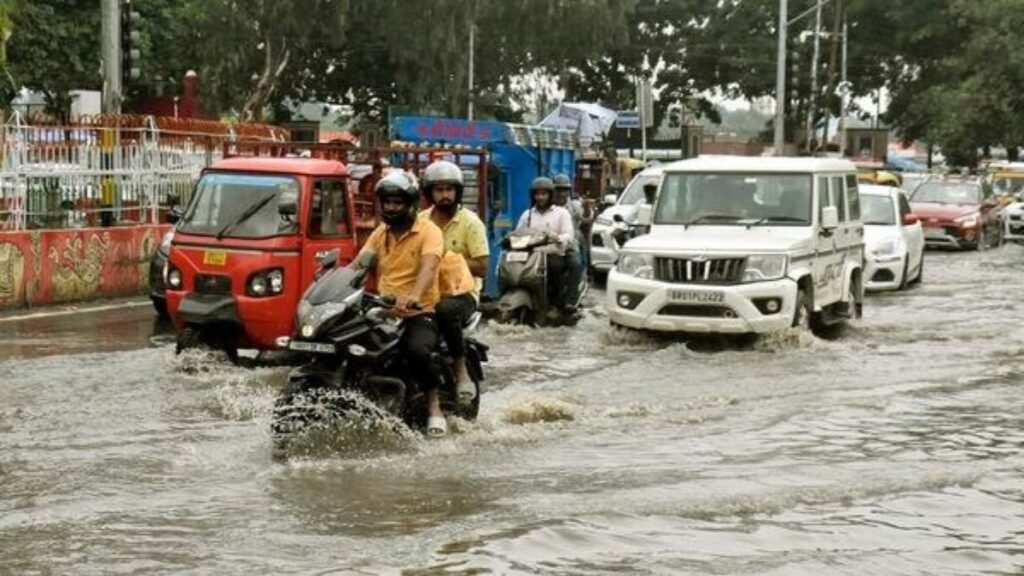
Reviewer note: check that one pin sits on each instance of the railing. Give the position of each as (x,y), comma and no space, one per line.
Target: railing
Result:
(108,170)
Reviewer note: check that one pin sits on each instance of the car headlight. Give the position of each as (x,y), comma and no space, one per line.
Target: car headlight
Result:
(968,221)
(639,265)
(886,248)
(765,267)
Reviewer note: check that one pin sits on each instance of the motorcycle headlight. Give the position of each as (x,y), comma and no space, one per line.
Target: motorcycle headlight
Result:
(639,265)
(968,221)
(765,267)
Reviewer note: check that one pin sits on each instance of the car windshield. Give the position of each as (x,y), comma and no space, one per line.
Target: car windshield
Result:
(1006,184)
(877,210)
(634,192)
(240,206)
(946,193)
(735,199)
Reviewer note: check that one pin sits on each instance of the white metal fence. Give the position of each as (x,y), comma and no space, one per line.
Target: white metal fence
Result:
(70,177)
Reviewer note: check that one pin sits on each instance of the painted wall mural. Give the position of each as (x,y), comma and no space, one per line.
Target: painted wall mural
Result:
(50,266)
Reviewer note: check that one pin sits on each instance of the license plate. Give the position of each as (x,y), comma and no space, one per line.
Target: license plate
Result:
(215,258)
(699,296)
(934,233)
(517,256)
(316,347)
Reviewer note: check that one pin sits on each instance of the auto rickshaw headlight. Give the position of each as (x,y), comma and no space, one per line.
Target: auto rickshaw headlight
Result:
(174,278)
(265,283)
(258,285)
(276,281)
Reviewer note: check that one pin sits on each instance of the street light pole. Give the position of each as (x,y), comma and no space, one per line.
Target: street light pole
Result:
(843,100)
(110,30)
(780,84)
(472,37)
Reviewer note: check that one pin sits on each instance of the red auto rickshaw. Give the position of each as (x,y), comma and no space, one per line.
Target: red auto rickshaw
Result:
(247,245)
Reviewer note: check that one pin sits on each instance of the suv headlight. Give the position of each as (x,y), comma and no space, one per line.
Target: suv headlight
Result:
(765,267)
(967,221)
(639,265)
(603,221)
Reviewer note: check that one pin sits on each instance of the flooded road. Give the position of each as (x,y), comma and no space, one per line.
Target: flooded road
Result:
(896,449)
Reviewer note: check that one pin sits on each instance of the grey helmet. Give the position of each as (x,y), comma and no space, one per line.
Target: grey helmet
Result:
(542,183)
(562,181)
(443,172)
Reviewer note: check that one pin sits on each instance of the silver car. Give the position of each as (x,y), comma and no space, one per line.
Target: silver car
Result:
(604,250)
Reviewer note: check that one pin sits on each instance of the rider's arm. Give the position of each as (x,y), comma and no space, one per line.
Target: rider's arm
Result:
(479,251)
(523,219)
(426,276)
(565,232)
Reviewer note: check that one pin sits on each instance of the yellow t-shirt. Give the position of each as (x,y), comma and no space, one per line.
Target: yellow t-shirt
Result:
(464,234)
(398,262)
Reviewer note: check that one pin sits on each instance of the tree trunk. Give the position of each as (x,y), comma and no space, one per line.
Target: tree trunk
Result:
(273,66)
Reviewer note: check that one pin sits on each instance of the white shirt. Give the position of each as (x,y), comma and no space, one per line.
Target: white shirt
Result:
(555,220)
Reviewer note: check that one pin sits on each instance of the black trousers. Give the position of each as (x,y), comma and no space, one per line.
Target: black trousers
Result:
(420,342)
(452,312)
(556,280)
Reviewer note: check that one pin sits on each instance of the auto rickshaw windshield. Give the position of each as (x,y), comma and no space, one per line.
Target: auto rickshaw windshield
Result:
(241,206)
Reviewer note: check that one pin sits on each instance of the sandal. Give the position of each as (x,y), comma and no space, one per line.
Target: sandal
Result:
(465,392)
(437,426)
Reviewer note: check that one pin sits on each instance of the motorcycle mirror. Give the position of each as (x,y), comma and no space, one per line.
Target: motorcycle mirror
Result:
(330,259)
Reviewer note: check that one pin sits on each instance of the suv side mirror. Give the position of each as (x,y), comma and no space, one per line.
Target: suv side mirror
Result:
(172,216)
(829,218)
(643,215)
(910,219)
(610,199)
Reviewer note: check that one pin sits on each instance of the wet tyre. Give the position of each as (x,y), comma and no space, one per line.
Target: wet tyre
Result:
(904,282)
(187,339)
(920,272)
(803,316)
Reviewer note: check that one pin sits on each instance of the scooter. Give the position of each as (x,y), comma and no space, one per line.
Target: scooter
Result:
(523,280)
(351,345)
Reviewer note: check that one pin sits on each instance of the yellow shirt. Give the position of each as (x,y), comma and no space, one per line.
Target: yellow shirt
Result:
(398,262)
(464,234)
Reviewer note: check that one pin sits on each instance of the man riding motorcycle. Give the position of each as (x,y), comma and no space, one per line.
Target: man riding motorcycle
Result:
(465,257)
(576,253)
(407,251)
(556,222)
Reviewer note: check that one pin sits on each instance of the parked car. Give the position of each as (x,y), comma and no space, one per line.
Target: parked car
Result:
(604,248)
(958,213)
(744,245)
(893,239)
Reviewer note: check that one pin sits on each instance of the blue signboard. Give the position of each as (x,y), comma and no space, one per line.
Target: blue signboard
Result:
(450,131)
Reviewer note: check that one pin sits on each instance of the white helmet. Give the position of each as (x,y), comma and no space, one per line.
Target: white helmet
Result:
(442,172)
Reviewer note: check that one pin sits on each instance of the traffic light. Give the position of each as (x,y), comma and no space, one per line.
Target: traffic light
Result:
(131,37)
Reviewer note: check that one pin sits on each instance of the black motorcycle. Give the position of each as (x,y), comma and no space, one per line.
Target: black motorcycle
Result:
(351,344)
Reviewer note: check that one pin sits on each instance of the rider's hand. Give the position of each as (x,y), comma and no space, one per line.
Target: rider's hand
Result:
(553,238)
(405,307)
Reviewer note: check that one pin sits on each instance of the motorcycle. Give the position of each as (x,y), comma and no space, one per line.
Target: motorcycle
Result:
(523,280)
(351,345)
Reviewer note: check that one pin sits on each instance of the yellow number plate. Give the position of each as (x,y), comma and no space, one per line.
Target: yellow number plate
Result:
(215,258)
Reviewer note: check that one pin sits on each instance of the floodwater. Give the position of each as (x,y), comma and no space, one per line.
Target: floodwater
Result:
(896,449)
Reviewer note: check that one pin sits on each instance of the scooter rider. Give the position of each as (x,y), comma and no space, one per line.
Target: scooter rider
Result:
(407,252)
(557,223)
(576,253)
(465,238)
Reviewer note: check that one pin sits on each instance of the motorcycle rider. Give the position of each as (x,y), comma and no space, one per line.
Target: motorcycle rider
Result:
(465,238)
(407,252)
(556,222)
(576,253)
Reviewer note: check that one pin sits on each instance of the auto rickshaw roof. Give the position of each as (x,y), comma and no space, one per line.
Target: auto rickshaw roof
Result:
(298,166)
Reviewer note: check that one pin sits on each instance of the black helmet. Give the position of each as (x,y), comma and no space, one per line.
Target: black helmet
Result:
(562,181)
(399,186)
(442,172)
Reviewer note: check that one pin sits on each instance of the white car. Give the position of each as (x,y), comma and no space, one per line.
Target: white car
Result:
(604,249)
(1014,220)
(893,239)
(744,245)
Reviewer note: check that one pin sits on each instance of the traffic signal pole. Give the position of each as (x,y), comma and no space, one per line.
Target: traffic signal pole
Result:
(110,30)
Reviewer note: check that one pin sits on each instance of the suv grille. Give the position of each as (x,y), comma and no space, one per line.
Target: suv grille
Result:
(699,271)
(211,284)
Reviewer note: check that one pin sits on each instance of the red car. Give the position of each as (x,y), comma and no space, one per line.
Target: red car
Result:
(958,214)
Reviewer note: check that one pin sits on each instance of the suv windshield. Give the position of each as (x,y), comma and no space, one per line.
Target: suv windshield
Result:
(634,193)
(877,210)
(947,193)
(240,206)
(735,199)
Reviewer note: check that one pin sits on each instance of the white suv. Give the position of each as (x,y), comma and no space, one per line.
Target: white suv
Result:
(741,245)
(604,249)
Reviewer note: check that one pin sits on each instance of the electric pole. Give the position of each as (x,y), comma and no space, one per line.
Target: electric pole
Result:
(110,30)
(812,104)
(780,84)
